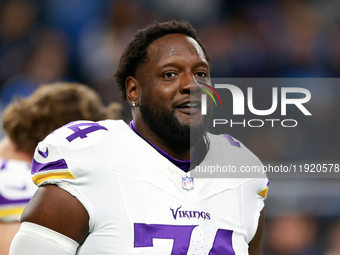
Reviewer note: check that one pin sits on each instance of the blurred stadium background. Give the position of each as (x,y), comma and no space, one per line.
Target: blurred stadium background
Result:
(43,41)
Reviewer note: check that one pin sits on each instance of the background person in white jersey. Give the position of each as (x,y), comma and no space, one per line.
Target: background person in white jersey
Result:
(28,121)
(111,188)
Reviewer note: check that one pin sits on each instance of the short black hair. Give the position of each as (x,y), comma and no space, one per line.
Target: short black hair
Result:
(135,52)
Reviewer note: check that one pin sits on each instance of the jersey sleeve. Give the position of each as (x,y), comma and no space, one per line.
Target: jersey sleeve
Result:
(49,166)
(255,183)
(254,195)
(65,158)
(54,155)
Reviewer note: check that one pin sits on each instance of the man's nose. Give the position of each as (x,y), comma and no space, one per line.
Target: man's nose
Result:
(189,85)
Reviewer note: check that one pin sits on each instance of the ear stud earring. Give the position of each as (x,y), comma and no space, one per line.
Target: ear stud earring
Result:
(133,103)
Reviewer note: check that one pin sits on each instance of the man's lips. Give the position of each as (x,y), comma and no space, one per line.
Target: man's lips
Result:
(189,107)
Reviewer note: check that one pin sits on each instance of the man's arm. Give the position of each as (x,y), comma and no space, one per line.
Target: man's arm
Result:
(61,220)
(255,244)
(56,209)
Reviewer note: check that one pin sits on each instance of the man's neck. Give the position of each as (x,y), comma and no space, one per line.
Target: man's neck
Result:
(177,153)
(182,164)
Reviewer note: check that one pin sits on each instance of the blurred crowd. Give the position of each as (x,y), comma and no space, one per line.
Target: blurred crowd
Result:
(43,41)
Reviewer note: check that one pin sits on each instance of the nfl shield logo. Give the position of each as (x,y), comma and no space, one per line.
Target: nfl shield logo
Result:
(187,183)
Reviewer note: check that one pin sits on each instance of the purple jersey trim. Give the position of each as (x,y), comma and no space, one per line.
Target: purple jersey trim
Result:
(40,167)
(43,154)
(4,201)
(182,164)
(232,142)
(3,165)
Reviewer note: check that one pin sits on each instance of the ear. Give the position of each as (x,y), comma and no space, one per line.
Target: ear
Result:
(132,87)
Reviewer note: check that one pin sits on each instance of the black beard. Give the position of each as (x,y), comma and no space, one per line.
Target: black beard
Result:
(166,126)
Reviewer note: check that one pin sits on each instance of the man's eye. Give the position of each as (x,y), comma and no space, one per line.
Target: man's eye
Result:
(201,74)
(168,75)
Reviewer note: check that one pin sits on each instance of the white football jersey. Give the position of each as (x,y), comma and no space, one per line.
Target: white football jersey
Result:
(135,196)
(16,188)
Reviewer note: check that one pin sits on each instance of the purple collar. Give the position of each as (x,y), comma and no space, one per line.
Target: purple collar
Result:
(182,164)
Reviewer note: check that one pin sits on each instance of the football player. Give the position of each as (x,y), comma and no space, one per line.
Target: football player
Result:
(111,188)
(27,122)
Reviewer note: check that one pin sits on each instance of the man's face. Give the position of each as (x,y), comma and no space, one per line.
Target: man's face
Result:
(171,99)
